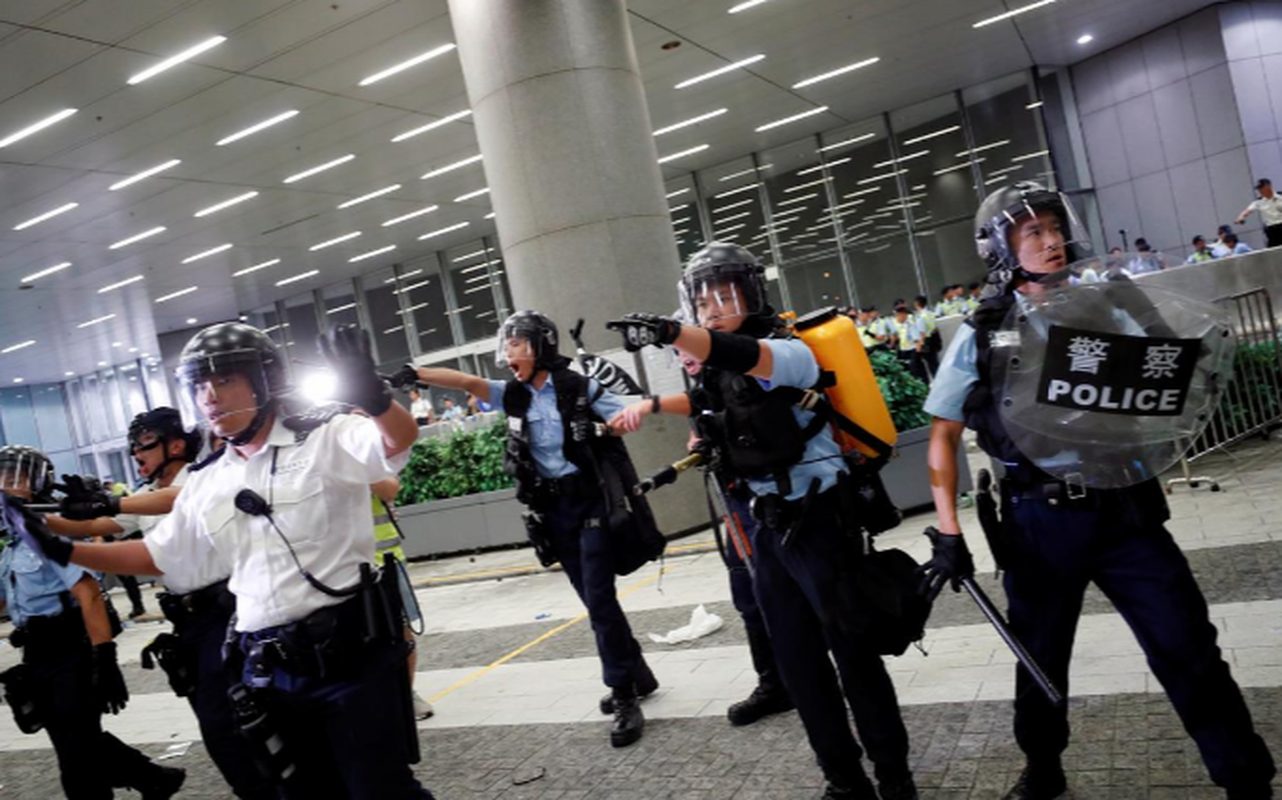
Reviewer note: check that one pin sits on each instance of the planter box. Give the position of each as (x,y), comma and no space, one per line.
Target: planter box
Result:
(473,522)
(907,477)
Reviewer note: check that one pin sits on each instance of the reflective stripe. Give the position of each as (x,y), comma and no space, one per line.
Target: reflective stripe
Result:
(383,519)
(388,544)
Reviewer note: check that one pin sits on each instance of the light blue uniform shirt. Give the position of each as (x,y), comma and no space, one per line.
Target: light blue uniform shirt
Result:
(547,435)
(957,375)
(795,365)
(31,585)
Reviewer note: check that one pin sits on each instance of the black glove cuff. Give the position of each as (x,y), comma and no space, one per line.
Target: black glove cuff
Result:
(113,505)
(733,353)
(105,650)
(379,400)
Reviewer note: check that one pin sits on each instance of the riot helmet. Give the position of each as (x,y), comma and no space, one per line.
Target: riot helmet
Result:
(721,281)
(157,428)
(24,468)
(234,348)
(997,218)
(528,335)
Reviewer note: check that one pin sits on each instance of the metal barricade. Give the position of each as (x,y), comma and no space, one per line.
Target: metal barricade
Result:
(1252,401)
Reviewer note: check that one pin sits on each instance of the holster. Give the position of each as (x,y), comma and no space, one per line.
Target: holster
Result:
(20,695)
(166,649)
(536,531)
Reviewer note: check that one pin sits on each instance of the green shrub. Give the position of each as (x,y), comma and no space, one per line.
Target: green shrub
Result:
(905,394)
(453,466)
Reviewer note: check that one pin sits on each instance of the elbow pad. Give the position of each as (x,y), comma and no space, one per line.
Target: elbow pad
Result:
(733,353)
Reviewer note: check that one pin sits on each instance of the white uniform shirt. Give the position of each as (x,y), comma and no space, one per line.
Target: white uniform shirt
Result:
(1270,209)
(320,497)
(188,576)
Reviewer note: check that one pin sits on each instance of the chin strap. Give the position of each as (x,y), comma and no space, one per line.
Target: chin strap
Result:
(247,435)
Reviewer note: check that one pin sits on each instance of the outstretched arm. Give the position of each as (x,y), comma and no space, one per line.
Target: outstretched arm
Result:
(453,379)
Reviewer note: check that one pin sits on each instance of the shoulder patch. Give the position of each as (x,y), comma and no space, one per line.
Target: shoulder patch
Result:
(308,421)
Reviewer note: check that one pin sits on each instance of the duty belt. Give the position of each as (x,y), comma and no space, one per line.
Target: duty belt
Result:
(1053,492)
(51,629)
(325,642)
(178,608)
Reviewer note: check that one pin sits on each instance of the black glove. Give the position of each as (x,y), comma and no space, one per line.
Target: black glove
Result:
(346,350)
(108,684)
(640,330)
(86,499)
(36,534)
(404,378)
(949,561)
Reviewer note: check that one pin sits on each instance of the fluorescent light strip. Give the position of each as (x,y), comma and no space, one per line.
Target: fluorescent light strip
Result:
(484,251)
(255,268)
(451,167)
(807,185)
(302,276)
(682,154)
(671,195)
(433,125)
(403,275)
(111,287)
(178,293)
(96,320)
(240,198)
(901,160)
(488,216)
(676,126)
(1035,105)
(147,173)
(799,199)
(862,192)
(862,138)
(175,60)
(330,242)
(882,177)
(867,62)
(404,65)
(744,6)
(719,71)
(818,167)
(1012,13)
(723,231)
(394,329)
(919,187)
(1027,156)
(742,172)
(735,191)
(137,237)
(35,276)
(371,254)
(940,132)
(11,348)
(740,215)
(36,127)
(370,196)
(475,267)
(684,220)
(463,198)
(999,172)
(963,165)
(62,209)
(212,251)
(681,232)
(840,206)
(412,287)
(793,118)
(441,231)
(735,204)
(252,129)
(981,149)
(476,278)
(675,209)
(340,309)
(476,289)
(307,173)
(411,215)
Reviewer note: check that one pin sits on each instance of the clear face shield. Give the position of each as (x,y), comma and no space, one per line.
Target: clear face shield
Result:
(21,473)
(714,301)
(223,392)
(1046,238)
(513,350)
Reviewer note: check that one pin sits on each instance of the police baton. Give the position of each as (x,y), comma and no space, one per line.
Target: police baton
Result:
(1025,658)
(43,508)
(668,474)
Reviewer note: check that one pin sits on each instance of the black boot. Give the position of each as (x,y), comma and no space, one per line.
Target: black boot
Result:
(860,789)
(1040,780)
(897,788)
(166,784)
(763,702)
(646,685)
(629,722)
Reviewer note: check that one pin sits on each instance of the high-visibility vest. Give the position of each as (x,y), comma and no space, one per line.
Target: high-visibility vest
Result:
(386,535)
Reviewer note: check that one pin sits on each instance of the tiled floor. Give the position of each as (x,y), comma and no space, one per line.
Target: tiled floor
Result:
(496,725)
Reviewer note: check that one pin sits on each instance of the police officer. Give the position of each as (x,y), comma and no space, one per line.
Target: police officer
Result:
(769,696)
(69,666)
(806,546)
(286,505)
(197,601)
(556,461)
(1062,540)
(909,339)
(932,343)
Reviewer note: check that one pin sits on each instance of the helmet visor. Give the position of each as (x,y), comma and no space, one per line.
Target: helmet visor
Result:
(223,389)
(1045,235)
(720,297)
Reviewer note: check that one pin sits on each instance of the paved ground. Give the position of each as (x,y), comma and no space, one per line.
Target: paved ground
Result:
(510,664)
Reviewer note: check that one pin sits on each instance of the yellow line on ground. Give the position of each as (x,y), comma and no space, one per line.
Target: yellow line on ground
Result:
(533,570)
(536,641)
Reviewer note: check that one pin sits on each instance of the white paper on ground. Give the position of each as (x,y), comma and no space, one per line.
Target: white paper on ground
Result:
(701,624)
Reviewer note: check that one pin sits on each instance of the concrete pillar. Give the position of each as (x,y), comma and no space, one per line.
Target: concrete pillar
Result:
(570,160)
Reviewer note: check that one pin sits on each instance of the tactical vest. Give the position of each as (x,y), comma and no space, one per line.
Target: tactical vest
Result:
(387,537)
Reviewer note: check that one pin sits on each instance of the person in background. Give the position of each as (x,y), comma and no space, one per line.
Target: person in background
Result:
(908,342)
(973,292)
(863,324)
(451,412)
(1270,207)
(1220,249)
(1146,259)
(473,405)
(1234,247)
(1201,253)
(421,408)
(932,343)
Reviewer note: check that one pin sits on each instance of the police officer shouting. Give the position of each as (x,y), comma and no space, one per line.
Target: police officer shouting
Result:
(69,670)
(1063,537)
(556,461)
(197,602)
(286,505)
(807,545)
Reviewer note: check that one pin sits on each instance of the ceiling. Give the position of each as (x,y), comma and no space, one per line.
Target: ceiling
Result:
(310,56)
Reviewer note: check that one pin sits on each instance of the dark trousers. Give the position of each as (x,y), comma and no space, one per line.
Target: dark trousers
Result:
(745,602)
(1273,235)
(90,760)
(911,360)
(573,524)
(343,731)
(200,639)
(1058,551)
(133,591)
(803,592)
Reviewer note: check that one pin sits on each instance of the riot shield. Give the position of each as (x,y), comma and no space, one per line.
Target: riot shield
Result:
(1103,382)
